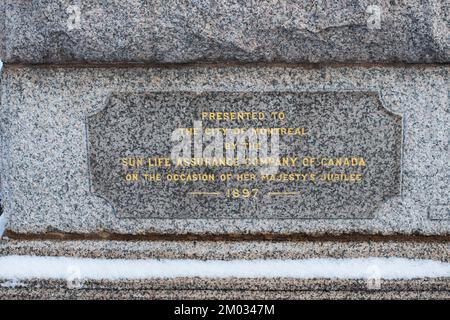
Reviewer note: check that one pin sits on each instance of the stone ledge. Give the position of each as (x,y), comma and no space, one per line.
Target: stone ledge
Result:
(228,250)
(197,288)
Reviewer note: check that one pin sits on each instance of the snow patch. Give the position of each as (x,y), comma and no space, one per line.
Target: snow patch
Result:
(26,267)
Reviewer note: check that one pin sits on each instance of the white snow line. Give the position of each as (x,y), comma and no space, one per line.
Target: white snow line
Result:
(26,267)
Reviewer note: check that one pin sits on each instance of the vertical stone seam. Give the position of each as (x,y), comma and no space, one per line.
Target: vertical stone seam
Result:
(439,30)
(3,5)
(2,56)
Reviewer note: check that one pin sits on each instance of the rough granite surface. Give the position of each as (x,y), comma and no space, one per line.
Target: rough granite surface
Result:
(45,176)
(229,250)
(169,31)
(232,288)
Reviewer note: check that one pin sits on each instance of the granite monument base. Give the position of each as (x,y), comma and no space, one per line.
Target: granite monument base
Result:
(230,288)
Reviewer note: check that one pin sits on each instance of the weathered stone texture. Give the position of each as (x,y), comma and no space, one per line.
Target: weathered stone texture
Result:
(161,31)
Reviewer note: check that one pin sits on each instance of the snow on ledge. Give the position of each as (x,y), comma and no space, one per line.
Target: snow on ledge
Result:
(26,267)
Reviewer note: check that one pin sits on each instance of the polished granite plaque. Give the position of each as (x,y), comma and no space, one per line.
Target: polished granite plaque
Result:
(248,155)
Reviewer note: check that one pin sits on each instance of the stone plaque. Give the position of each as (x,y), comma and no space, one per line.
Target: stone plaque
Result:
(258,155)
